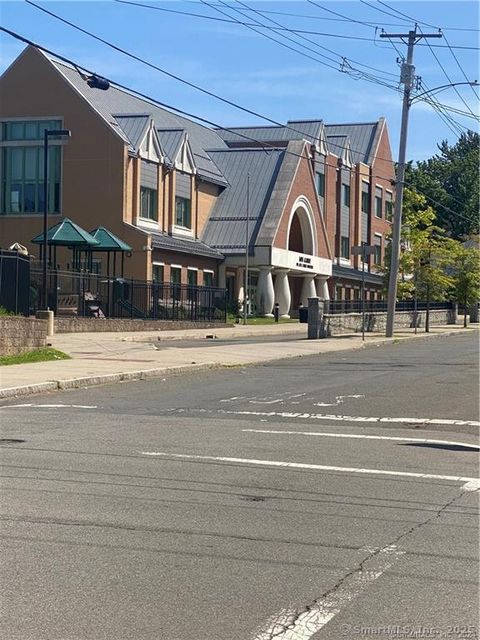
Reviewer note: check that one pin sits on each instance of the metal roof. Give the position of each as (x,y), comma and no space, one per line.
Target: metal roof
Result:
(355,274)
(184,245)
(363,136)
(294,130)
(171,141)
(67,234)
(117,101)
(108,241)
(226,227)
(134,127)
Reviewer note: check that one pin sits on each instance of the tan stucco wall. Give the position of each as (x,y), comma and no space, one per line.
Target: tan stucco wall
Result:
(207,195)
(93,158)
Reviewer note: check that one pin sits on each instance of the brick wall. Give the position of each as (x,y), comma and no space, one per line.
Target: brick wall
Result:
(18,334)
(86,325)
(338,324)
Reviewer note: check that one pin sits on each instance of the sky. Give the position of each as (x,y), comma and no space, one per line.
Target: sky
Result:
(301,79)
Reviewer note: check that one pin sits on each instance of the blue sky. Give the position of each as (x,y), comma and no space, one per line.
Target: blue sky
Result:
(248,69)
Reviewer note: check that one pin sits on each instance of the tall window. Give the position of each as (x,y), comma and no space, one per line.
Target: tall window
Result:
(183,214)
(388,206)
(192,277)
(346,195)
(157,272)
(377,256)
(208,278)
(175,275)
(148,203)
(321,184)
(22,188)
(378,202)
(365,198)
(345,247)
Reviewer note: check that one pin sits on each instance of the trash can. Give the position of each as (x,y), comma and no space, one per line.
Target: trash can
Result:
(303,314)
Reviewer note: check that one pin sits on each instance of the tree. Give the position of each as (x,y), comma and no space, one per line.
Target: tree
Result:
(466,277)
(450,181)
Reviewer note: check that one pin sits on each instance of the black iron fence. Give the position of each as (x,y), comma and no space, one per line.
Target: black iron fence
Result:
(355,306)
(15,282)
(93,295)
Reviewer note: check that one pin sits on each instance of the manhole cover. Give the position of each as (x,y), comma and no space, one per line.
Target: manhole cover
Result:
(10,441)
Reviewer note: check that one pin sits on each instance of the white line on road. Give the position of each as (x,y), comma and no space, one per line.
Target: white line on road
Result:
(322,416)
(363,437)
(288,625)
(50,406)
(473,483)
(338,400)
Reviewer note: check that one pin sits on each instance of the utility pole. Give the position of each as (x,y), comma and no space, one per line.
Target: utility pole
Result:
(247,246)
(407,77)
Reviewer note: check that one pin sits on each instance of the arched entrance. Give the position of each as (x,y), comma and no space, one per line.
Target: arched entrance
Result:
(301,238)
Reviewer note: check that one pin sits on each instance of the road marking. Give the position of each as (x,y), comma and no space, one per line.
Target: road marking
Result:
(289,625)
(338,400)
(322,416)
(50,406)
(363,437)
(472,482)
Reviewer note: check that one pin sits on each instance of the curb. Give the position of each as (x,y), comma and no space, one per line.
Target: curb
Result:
(144,374)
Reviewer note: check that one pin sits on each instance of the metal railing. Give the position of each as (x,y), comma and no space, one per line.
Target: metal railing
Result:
(14,282)
(92,295)
(372,306)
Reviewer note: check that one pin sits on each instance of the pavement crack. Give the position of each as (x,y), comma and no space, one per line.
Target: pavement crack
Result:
(286,621)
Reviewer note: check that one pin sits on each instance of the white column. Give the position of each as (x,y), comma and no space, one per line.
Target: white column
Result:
(265,292)
(322,287)
(308,289)
(282,292)
(240,288)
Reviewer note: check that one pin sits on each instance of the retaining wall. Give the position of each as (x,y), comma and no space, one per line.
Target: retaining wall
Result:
(84,325)
(338,324)
(19,334)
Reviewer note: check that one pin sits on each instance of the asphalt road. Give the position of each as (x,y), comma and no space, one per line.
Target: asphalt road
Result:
(249,503)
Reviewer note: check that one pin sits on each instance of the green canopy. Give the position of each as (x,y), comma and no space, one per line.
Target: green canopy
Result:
(67,234)
(108,241)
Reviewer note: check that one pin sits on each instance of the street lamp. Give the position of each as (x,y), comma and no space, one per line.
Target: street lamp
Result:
(363,250)
(48,133)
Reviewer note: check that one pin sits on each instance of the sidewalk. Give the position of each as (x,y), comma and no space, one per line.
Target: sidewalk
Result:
(102,358)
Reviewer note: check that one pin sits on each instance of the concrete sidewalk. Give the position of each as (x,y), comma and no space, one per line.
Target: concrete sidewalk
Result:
(102,358)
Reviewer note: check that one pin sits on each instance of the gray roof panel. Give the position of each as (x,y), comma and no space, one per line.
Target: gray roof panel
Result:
(226,227)
(133,126)
(184,245)
(294,130)
(362,138)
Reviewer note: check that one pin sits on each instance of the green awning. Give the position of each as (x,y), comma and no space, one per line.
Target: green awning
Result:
(67,234)
(108,241)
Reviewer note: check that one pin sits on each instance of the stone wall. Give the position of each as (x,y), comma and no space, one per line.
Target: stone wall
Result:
(19,334)
(341,323)
(83,325)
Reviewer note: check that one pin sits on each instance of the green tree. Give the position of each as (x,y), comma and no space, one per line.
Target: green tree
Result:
(466,277)
(451,178)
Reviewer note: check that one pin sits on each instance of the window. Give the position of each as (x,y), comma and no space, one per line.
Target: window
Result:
(157,272)
(208,278)
(22,187)
(148,203)
(388,206)
(192,277)
(321,184)
(365,198)
(346,195)
(378,202)
(175,275)
(377,256)
(345,247)
(183,216)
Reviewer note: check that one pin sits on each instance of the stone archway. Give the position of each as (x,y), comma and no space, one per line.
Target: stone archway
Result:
(302,236)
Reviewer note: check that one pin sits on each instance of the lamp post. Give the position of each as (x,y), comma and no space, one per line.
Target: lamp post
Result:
(60,133)
(363,250)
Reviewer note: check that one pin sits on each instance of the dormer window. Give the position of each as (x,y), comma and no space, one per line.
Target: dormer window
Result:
(183,213)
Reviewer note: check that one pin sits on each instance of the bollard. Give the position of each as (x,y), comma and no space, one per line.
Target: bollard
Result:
(49,317)
(276,311)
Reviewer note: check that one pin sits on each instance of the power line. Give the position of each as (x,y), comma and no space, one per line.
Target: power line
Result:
(459,65)
(404,15)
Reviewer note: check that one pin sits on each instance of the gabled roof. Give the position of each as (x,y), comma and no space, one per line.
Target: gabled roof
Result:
(226,227)
(67,234)
(171,140)
(134,127)
(341,144)
(117,101)
(184,245)
(311,130)
(108,241)
(363,138)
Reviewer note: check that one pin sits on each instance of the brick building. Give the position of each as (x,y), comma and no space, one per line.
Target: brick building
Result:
(176,191)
